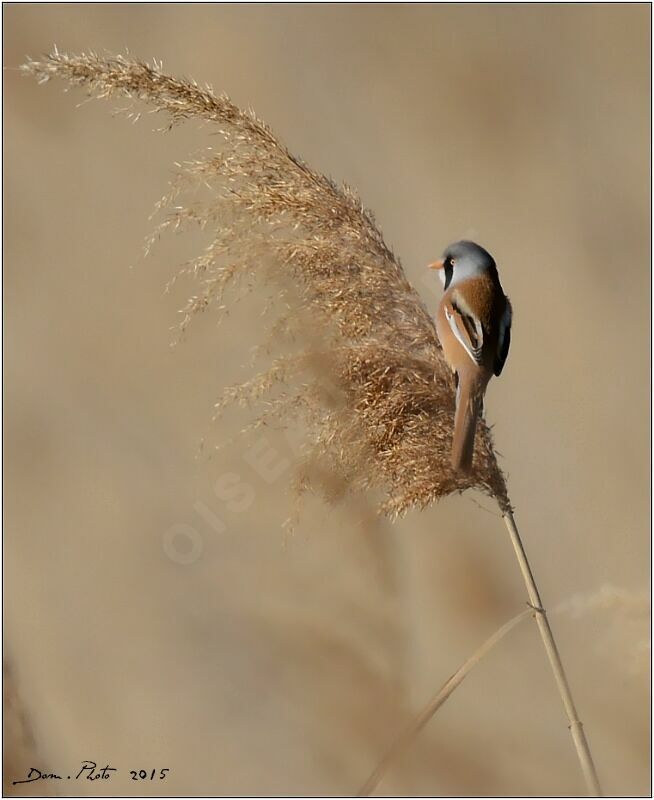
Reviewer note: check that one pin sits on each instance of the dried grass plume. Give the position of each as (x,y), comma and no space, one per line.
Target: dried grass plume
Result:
(372,386)
(369,380)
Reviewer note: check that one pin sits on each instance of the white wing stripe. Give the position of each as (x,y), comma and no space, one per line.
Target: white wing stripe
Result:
(456,332)
(479,329)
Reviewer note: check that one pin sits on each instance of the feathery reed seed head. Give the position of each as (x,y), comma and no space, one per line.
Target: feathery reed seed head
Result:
(374,390)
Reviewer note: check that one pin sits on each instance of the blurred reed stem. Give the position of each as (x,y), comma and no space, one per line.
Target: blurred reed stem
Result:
(402,742)
(535,608)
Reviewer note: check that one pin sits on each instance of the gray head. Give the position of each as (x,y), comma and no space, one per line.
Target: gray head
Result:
(463,260)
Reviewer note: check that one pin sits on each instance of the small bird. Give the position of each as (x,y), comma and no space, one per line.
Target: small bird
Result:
(473,323)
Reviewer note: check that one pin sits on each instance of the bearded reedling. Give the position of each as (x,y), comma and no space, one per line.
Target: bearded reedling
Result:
(474,327)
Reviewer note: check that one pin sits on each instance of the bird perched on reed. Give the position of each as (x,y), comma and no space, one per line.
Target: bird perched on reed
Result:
(372,388)
(474,327)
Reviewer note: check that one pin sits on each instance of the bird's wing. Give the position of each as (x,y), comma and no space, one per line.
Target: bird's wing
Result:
(467,329)
(504,339)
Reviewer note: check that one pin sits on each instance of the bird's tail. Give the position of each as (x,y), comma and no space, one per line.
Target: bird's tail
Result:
(469,400)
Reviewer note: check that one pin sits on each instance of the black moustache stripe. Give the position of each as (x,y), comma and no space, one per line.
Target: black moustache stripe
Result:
(449,272)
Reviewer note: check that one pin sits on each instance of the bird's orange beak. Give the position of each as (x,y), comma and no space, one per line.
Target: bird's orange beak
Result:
(436,264)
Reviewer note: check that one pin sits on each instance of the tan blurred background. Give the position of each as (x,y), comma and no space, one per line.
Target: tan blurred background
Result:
(157,615)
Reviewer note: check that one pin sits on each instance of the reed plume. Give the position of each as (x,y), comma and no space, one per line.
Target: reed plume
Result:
(371,383)
(389,420)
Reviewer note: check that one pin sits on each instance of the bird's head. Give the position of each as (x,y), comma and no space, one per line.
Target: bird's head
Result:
(463,260)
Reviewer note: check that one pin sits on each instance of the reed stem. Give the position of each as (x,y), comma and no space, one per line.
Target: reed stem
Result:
(575,726)
(410,733)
